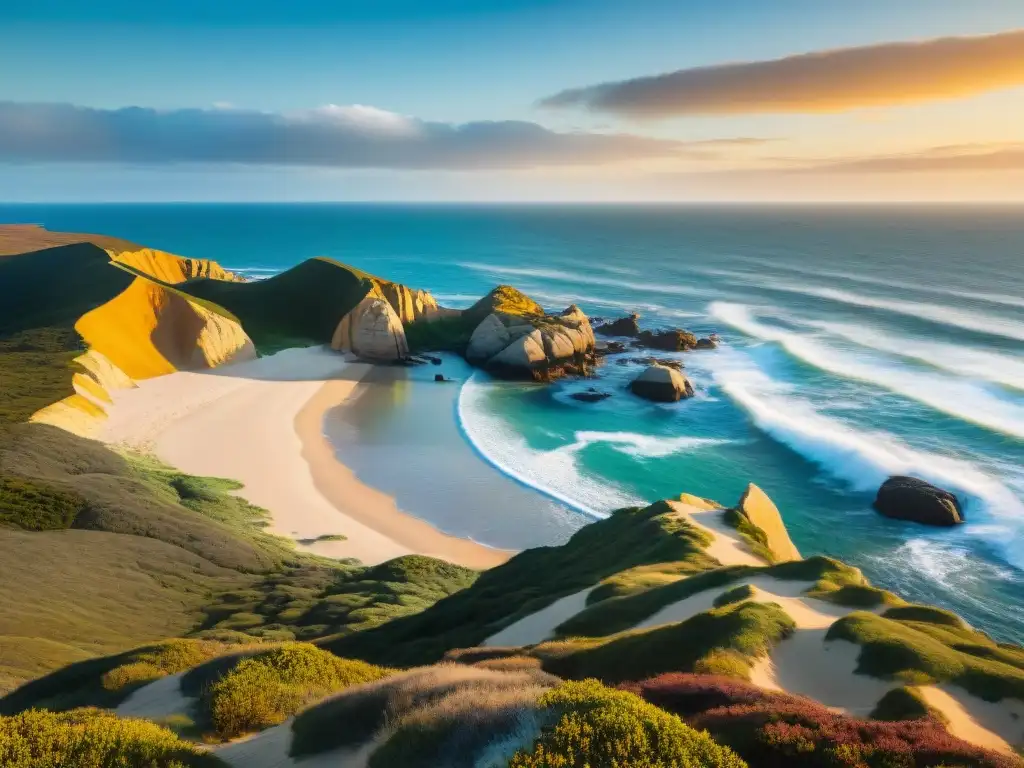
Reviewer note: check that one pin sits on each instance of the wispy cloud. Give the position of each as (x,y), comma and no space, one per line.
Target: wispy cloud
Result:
(826,81)
(957,157)
(353,136)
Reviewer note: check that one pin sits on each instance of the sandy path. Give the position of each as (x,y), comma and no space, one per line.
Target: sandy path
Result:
(539,626)
(259,422)
(269,749)
(158,700)
(727,547)
(998,726)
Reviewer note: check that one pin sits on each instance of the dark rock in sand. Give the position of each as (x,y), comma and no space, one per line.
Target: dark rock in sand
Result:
(909,498)
(590,396)
(624,326)
(674,340)
(661,384)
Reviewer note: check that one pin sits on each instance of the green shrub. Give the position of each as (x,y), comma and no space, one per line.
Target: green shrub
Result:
(598,726)
(734,595)
(901,704)
(37,506)
(266,689)
(90,738)
(444,334)
(153,662)
(928,614)
(720,641)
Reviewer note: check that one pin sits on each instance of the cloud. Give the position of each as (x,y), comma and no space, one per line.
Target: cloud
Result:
(961,157)
(354,136)
(827,81)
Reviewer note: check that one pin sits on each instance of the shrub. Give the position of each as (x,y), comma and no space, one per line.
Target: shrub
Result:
(901,704)
(155,661)
(598,726)
(779,730)
(355,716)
(734,595)
(791,732)
(266,689)
(91,738)
(36,506)
(723,640)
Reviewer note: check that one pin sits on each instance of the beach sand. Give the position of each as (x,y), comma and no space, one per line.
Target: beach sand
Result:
(260,423)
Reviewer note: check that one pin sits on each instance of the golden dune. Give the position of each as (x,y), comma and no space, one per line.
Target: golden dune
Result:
(170,268)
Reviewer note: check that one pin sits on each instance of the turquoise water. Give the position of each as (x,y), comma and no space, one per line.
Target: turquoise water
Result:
(859,343)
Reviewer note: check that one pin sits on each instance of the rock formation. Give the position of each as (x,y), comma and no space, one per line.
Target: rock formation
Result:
(410,305)
(674,340)
(762,513)
(909,498)
(662,384)
(624,326)
(591,395)
(516,340)
(710,342)
(372,331)
(150,330)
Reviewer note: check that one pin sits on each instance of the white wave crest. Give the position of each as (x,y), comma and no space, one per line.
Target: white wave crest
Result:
(976,363)
(644,446)
(953,396)
(863,460)
(933,313)
(554,473)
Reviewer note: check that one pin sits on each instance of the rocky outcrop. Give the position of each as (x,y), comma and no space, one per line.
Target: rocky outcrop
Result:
(170,268)
(909,498)
(410,305)
(508,303)
(150,330)
(709,342)
(526,345)
(488,339)
(372,331)
(668,362)
(674,340)
(761,512)
(624,326)
(662,385)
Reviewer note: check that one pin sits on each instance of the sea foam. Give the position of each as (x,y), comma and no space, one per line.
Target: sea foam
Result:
(950,395)
(863,460)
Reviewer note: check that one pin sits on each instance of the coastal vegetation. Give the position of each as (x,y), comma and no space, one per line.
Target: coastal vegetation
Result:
(126,579)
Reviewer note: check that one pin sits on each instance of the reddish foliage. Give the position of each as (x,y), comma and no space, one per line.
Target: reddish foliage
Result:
(774,730)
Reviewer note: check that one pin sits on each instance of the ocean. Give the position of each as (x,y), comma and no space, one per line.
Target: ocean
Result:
(858,343)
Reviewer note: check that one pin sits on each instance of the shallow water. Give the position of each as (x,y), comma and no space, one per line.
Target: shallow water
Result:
(859,343)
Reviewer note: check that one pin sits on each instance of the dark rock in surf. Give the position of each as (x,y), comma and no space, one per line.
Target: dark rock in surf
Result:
(662,385)
(591,395)
(674,340)
(624,326)
(710,342)
(909,498)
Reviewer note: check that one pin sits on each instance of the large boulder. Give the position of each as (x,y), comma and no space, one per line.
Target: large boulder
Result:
(624,326)
(674,340)
(909,498)
(373,331)
(488,339)
(662,384)
(527,345)
(520,357)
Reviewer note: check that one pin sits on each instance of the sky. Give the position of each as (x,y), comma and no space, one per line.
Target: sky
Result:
(512,100)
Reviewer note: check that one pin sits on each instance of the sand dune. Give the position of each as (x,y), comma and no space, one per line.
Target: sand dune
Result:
(540,626)
(728,548)
(995,726)
(269,749)
(159,700)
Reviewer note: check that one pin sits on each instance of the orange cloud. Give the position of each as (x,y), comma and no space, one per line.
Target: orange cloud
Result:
(827,81)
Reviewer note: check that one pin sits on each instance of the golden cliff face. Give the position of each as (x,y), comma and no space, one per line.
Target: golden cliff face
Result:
(147,330)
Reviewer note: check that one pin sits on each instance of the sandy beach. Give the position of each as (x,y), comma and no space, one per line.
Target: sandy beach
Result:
(260,423)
